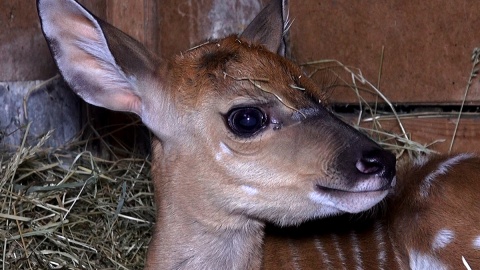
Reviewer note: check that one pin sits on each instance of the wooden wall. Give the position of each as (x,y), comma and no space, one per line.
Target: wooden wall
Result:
(416,53)
(166,27)
(426,45)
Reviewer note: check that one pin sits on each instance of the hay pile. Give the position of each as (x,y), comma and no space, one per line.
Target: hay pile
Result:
(67,209)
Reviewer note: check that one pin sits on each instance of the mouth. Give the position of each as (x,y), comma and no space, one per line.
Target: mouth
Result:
(352,200)
(324,189)
(366,188)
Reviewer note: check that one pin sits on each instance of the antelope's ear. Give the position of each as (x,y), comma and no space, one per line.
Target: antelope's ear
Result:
(100,63)
(269,27)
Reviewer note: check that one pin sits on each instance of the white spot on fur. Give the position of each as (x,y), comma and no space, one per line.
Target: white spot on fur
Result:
(476,242)
(224,150)
(422,261)
(443,238)
(249,190)
(442,169)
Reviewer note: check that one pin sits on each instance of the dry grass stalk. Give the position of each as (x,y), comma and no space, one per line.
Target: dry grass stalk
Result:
(473,74)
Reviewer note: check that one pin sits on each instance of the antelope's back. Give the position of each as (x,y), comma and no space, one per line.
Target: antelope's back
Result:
(435,213)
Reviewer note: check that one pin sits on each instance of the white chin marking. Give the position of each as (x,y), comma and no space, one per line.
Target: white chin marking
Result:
(321,199)
(350,203)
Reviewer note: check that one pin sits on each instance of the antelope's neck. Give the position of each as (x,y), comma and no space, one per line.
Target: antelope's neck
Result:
(182,242)
(191,233)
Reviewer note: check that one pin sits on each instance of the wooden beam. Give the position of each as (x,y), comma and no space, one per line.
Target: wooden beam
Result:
(438,131)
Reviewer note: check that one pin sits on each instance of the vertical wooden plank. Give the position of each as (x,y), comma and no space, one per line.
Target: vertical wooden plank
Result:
(24,53)
(426,50)
(97,7)
(151,24)
(136,18)
(174,25)
(127,15)
(186,23)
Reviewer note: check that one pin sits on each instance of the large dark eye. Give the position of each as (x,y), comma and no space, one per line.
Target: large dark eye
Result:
(246,121)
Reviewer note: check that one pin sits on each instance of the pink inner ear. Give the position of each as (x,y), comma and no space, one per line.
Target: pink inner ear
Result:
(126,101)
(85,60)
(114,96)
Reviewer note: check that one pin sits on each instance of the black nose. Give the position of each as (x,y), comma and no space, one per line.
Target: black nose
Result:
(377,162)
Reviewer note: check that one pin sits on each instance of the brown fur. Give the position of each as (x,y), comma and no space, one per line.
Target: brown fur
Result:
(453,203)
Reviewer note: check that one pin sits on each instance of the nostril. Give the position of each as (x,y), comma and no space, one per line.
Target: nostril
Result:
(377,162)
(370,166)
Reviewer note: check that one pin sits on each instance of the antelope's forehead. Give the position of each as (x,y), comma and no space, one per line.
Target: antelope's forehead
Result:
(233,65)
